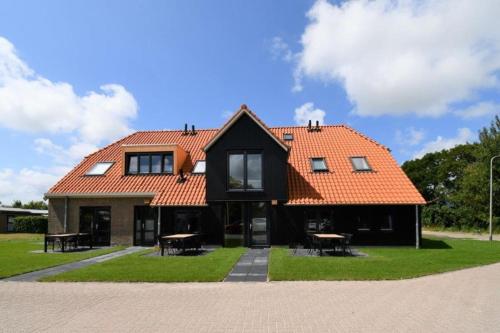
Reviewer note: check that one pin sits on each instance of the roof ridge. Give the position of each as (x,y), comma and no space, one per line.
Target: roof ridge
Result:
(169,130)
(364,136)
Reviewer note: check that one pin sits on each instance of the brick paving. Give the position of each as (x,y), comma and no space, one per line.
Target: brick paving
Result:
(252,267)
(461,301)
(37,275)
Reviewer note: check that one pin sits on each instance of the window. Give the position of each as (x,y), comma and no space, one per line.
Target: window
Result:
(245,171)
(154,163)
(362,223)
(99,169)
(10,223)
(386,224)
(199,167)
(360,164)
(288,137)
(318,164)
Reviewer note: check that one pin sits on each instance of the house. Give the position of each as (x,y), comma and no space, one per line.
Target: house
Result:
(243,184)
(8,214)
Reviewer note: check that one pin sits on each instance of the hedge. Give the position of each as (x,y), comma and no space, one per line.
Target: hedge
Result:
(31,224)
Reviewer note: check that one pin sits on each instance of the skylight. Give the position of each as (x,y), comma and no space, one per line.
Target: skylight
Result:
(99,169)
(288,137)
(360,164)
(199,167)
(318,164)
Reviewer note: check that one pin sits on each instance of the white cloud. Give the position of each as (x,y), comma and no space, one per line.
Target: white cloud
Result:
(307,112)
(227,114)
(25,184)
(479,110)
(399,57)
(281,50)
(34,104)
(410,136)
(464,135)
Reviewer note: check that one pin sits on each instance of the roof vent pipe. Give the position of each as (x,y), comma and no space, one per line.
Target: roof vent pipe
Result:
(181,178)
(185,129)
(309,126)
(193,132)
(317,125)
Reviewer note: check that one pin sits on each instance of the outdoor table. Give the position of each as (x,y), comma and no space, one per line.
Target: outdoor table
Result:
(63,238)
(177,237)
(331,237)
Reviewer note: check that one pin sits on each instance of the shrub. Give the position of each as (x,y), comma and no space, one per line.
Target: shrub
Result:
(31,224)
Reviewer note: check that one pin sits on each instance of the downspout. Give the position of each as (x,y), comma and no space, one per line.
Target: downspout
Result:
(65,214)
(159,224)
(417,228)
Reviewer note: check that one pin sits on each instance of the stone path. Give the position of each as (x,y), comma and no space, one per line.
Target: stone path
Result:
(461,235)
(36,275)
(252,267)
(461,301)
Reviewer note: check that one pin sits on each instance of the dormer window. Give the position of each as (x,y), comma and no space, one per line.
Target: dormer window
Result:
(288,137)
(360,164)
(318,164)
(149,163)
(199,167)
(99,169)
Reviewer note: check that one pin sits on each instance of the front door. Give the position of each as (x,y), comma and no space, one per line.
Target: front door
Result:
(145,226)
(247,224)
(97,222)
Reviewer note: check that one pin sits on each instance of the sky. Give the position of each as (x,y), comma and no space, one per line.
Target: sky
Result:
(417,76)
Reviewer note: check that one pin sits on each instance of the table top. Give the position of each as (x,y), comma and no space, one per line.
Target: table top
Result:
(179,236)
(328,236)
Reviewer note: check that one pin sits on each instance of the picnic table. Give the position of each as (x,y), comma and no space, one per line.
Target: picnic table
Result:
(331,237)
(66,238)
(182,238)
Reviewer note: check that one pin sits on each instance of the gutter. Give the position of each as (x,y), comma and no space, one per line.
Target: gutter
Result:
(100,195)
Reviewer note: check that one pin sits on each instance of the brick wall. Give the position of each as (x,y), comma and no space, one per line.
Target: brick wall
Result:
(122,216)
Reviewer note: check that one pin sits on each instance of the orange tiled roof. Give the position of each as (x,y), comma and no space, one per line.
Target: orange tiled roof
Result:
(386,184)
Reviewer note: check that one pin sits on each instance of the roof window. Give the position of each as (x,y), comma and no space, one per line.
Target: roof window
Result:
(360,164)
(99,169)
(318,164)
(199,167)
(288,137)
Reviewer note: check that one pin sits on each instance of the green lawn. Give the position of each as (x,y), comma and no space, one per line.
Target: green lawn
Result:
(16,256)
(386,263)
(137,267)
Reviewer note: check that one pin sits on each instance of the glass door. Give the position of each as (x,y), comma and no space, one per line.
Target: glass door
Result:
(145,226)
(258,224)
(97,222)
(234,226)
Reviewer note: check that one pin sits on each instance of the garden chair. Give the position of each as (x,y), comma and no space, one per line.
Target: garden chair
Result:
(346,244)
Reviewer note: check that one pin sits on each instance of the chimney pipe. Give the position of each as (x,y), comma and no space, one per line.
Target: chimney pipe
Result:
(309,125)
(185,128)
(317,125)
(193,132)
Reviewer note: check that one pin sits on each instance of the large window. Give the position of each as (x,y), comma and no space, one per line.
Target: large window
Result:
(155,163)
(245,171)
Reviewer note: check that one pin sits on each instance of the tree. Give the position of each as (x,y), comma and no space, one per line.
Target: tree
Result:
(17,204)
(455,182)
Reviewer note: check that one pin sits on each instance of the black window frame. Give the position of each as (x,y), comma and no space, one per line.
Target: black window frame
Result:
(162,154)
(311,160)
(288,136)
(354,169)
(245,170)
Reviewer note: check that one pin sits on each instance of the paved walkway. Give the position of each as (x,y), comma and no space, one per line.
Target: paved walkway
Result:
(36,275)
(462,235)
(252,267)
(462,301)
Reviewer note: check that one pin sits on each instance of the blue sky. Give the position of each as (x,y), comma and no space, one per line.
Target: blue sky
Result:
(387,70)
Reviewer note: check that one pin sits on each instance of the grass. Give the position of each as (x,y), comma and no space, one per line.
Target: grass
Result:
(386,263)
(16,256)
(137,267)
